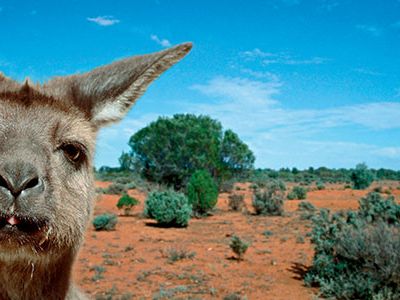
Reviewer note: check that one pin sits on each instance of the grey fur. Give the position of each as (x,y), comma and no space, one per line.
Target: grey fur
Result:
(48,132)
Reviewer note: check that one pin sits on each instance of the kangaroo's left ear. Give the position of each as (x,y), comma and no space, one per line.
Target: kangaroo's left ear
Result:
(107,93)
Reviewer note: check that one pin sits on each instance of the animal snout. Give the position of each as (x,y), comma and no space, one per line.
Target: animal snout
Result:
(21,180)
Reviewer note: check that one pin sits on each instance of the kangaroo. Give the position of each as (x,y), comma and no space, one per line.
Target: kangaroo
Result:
(47,143)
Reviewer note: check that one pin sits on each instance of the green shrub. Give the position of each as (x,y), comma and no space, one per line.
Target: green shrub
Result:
(236,202)
(123,180)
(105,222)
(238,246)
(320,186)
(362,177)
(130,185)
(357,253)
(254,187)
(202,192)
(174,255)
(168,208)
(170,150)
(115,189)
(308,210)
(374,207)
(268,233)
(235,296)
(226,186)
(126,203)
(262,184)
(269,200)
(306,206)
(298,192)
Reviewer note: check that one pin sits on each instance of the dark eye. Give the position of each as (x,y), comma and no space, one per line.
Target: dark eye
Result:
(73,152)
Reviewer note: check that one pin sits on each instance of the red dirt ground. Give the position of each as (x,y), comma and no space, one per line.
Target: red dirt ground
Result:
(132,260)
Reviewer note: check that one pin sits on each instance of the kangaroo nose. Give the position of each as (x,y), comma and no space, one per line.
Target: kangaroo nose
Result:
(21,181)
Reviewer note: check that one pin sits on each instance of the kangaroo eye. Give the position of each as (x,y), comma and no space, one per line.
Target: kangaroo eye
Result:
(73,152)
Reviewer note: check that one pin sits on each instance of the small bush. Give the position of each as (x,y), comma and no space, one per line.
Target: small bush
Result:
(174,255)
(126,203)
(115,189)
(308,210)
(265,183)
(357,253)
(361,177)
(105,222)
(226,186)
(306,206)
(236,202)
(374,207)
(320,186)
(298,192)
(123,180)
(269,201)
(300,239)
(268,233)
(238,246)
(98,272)
(168,208)
(254,187)
(130,185)
(235,296)
(202,192)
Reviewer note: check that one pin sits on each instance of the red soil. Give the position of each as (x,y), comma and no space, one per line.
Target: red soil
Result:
(135,254)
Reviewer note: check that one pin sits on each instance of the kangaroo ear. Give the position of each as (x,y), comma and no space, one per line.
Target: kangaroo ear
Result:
(7,84)
(107,93)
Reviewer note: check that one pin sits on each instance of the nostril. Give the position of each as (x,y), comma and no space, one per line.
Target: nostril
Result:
(4,183)
(31,183)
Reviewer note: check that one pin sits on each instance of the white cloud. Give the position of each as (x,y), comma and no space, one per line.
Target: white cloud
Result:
(295,136)
(366,71)
(240,90)
(268,58)
(261,74)
(104,20)
(288,60)
(279,136)
(389,152)
(376,116)
(255,53)
(162,42)
(370,29)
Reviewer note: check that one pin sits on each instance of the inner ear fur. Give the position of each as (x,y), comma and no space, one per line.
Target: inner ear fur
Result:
(106,94)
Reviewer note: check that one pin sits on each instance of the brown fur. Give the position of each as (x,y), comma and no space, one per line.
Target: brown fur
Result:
(39,125)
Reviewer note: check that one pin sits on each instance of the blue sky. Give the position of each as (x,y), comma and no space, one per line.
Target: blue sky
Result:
(303,82)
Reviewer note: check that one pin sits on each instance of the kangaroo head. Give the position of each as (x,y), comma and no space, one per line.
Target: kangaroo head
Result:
(47,137)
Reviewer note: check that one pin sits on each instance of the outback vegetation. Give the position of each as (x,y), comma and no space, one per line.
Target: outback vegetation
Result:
(168,208)
(202,192)
(350,254)
(357,253)
(170,150)
(126,203)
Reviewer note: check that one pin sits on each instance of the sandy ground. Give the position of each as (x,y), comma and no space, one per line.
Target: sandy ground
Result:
(132,262)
